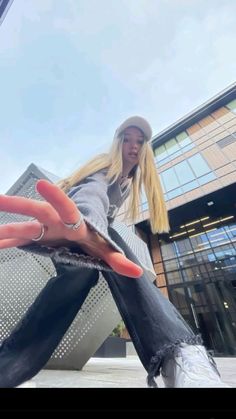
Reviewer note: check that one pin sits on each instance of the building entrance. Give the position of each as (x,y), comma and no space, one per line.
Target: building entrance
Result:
(209,309)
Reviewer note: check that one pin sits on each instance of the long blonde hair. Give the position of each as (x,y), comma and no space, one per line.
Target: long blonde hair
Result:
(144,174)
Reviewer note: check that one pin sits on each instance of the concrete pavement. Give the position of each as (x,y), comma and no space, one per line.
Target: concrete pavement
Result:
(116,373)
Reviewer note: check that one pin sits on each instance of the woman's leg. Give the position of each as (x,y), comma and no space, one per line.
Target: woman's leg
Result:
(38,333)
(154,324)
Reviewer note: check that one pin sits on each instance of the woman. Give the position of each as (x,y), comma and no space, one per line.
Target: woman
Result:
(74,227)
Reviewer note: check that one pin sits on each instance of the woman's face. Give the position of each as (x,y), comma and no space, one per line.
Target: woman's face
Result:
(132,144)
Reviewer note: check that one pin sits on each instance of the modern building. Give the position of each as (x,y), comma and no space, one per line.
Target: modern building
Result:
(4,7)
(196,263)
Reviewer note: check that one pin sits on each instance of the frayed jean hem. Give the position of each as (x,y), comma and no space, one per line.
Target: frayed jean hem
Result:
(167,350)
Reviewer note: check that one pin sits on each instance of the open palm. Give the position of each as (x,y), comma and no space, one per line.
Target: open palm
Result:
(56,210)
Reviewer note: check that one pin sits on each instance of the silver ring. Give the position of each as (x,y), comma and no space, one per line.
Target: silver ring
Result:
(41,234)
(75,226)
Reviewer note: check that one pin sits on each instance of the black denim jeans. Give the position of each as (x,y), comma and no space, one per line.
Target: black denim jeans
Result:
(154,324)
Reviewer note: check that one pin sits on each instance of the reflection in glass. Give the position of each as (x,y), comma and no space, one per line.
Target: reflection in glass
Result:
(169,179)
(183,139)
(232,105)
(199,165)
(171,146)
(207,178)
(184,172)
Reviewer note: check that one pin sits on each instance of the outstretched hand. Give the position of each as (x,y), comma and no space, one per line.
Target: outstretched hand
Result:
(56,210)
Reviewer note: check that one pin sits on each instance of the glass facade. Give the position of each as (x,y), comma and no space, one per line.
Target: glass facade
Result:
(185,176)
(200,268)
(173,148)
(197,265)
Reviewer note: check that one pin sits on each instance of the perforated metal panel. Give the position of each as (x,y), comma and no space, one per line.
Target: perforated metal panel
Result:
(95,321)
(23,275)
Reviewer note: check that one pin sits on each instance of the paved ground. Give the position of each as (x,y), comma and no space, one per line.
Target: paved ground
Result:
(116,372)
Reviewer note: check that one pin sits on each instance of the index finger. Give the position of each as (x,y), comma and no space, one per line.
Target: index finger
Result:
(65,207)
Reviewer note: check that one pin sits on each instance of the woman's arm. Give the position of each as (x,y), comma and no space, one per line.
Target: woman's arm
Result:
(56,210)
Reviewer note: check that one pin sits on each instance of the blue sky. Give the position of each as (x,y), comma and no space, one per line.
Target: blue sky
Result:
(72,70)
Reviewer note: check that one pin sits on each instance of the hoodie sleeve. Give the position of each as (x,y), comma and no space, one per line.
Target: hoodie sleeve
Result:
(92,200)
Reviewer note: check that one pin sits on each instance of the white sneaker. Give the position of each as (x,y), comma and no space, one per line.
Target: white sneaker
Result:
(191,367)
(27,384)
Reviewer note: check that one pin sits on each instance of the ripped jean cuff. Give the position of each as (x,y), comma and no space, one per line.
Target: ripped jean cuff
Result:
(167,350)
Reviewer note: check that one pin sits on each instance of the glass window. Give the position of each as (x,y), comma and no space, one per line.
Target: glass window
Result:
(205,256)
(174,193)
(188,260)
(183,139)
(183,246)
(207,178)
(167,251)
(169,179)
(188,147)
(178,298)
(232,105)
(163,161)
(199,241)
(171,146)
(211,257)
(176,154)
(219,236)
(160,153)
(189,186)
(171,265)
(224,251)
(174,277)
(199,165)
(231,230)
(229,265)
(184,172)
(191,274)
(204,273)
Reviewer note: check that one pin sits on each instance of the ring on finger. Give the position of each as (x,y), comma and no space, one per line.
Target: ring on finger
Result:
(41,234)
(75,226)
